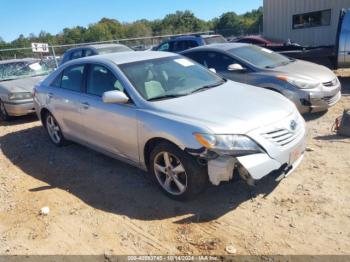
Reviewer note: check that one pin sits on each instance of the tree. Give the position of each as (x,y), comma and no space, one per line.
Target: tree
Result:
(179,22)
(252,21)
(229,24)
(137,30)
(114,27)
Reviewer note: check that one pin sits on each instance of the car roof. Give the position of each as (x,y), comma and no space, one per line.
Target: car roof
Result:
(99,46)
(18,60)
(261,38)
(218,46)
(96,46)
(127,57)
(209,36)
(192,37)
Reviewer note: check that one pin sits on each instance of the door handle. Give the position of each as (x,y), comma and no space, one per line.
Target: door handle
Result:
(50,95)
(86,105)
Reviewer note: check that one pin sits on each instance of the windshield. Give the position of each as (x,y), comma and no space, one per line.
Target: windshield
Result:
(114,49)
(218,39)
(169,77)
(260,57)
(18,70)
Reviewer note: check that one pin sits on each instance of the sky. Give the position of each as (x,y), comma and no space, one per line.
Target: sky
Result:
(27,16)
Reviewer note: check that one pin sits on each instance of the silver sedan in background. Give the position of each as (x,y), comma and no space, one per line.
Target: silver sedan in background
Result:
(311,87)
(166,114)
(17,80)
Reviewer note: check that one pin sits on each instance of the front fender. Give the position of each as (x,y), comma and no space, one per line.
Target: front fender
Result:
(174,130)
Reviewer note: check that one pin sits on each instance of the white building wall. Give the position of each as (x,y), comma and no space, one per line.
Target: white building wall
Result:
(278,20)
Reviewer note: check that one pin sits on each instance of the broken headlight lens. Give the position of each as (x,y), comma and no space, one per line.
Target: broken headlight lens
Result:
(229,144)
(20,96)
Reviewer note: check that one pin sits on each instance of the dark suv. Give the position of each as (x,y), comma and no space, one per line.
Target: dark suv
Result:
(89,50)
(182,43)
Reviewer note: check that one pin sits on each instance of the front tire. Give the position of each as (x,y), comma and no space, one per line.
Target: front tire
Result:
(4,116)
(178,174)
(54,130)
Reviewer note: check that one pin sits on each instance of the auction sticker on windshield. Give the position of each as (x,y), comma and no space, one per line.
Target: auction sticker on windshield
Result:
(184,62)
(35,66)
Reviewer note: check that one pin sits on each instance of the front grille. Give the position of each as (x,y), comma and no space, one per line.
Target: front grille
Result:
(330,100)
(334,82)
(283,136)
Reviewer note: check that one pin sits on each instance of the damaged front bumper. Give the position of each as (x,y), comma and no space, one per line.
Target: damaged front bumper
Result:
(250,168)
(283,152)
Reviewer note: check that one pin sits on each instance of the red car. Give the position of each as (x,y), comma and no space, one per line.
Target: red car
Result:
(275,45)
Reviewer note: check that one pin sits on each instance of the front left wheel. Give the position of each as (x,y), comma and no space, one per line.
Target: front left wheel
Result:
(179,174)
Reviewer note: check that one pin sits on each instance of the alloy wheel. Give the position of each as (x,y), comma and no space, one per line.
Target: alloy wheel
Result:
(170,173)
(53,129)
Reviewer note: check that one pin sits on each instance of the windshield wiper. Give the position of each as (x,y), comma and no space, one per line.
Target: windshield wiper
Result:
(165,97)
(203,88)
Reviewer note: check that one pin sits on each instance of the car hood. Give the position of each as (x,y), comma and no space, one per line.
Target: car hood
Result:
(230,108)
(307,69)
(20,85)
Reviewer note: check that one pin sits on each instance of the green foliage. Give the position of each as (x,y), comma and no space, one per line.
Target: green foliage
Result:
(231,24)
(179,22)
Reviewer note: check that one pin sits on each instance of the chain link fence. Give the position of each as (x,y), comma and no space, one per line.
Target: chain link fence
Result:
(139,43)
(56,51)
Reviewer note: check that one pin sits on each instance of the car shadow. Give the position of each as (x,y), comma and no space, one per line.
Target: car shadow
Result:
(332,137)
(314,116)
(113,186)
(19,120)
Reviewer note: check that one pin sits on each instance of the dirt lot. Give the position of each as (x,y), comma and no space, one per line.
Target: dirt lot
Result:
(101,206)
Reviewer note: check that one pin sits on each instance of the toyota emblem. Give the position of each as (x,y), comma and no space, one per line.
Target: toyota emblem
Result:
(293,125)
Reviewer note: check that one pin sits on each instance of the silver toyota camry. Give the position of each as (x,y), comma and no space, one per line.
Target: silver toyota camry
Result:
(166,114)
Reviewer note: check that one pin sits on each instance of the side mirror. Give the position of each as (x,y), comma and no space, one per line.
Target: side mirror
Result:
(213,70)
(235,67)
(114,97)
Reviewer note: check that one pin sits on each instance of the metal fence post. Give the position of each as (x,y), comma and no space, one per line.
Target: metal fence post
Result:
(54,56)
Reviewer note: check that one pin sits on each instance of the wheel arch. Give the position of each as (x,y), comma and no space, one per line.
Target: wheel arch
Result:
(150,145)
(43,112)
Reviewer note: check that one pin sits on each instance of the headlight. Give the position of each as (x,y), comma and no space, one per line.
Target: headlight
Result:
(237,145)
(20,96)
(298,82)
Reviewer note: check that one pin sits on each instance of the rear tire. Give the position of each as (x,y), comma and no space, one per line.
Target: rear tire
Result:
(4,116)
(178,174)
(54,130)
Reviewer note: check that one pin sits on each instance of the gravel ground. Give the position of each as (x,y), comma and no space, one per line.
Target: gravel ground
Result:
(99,205)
